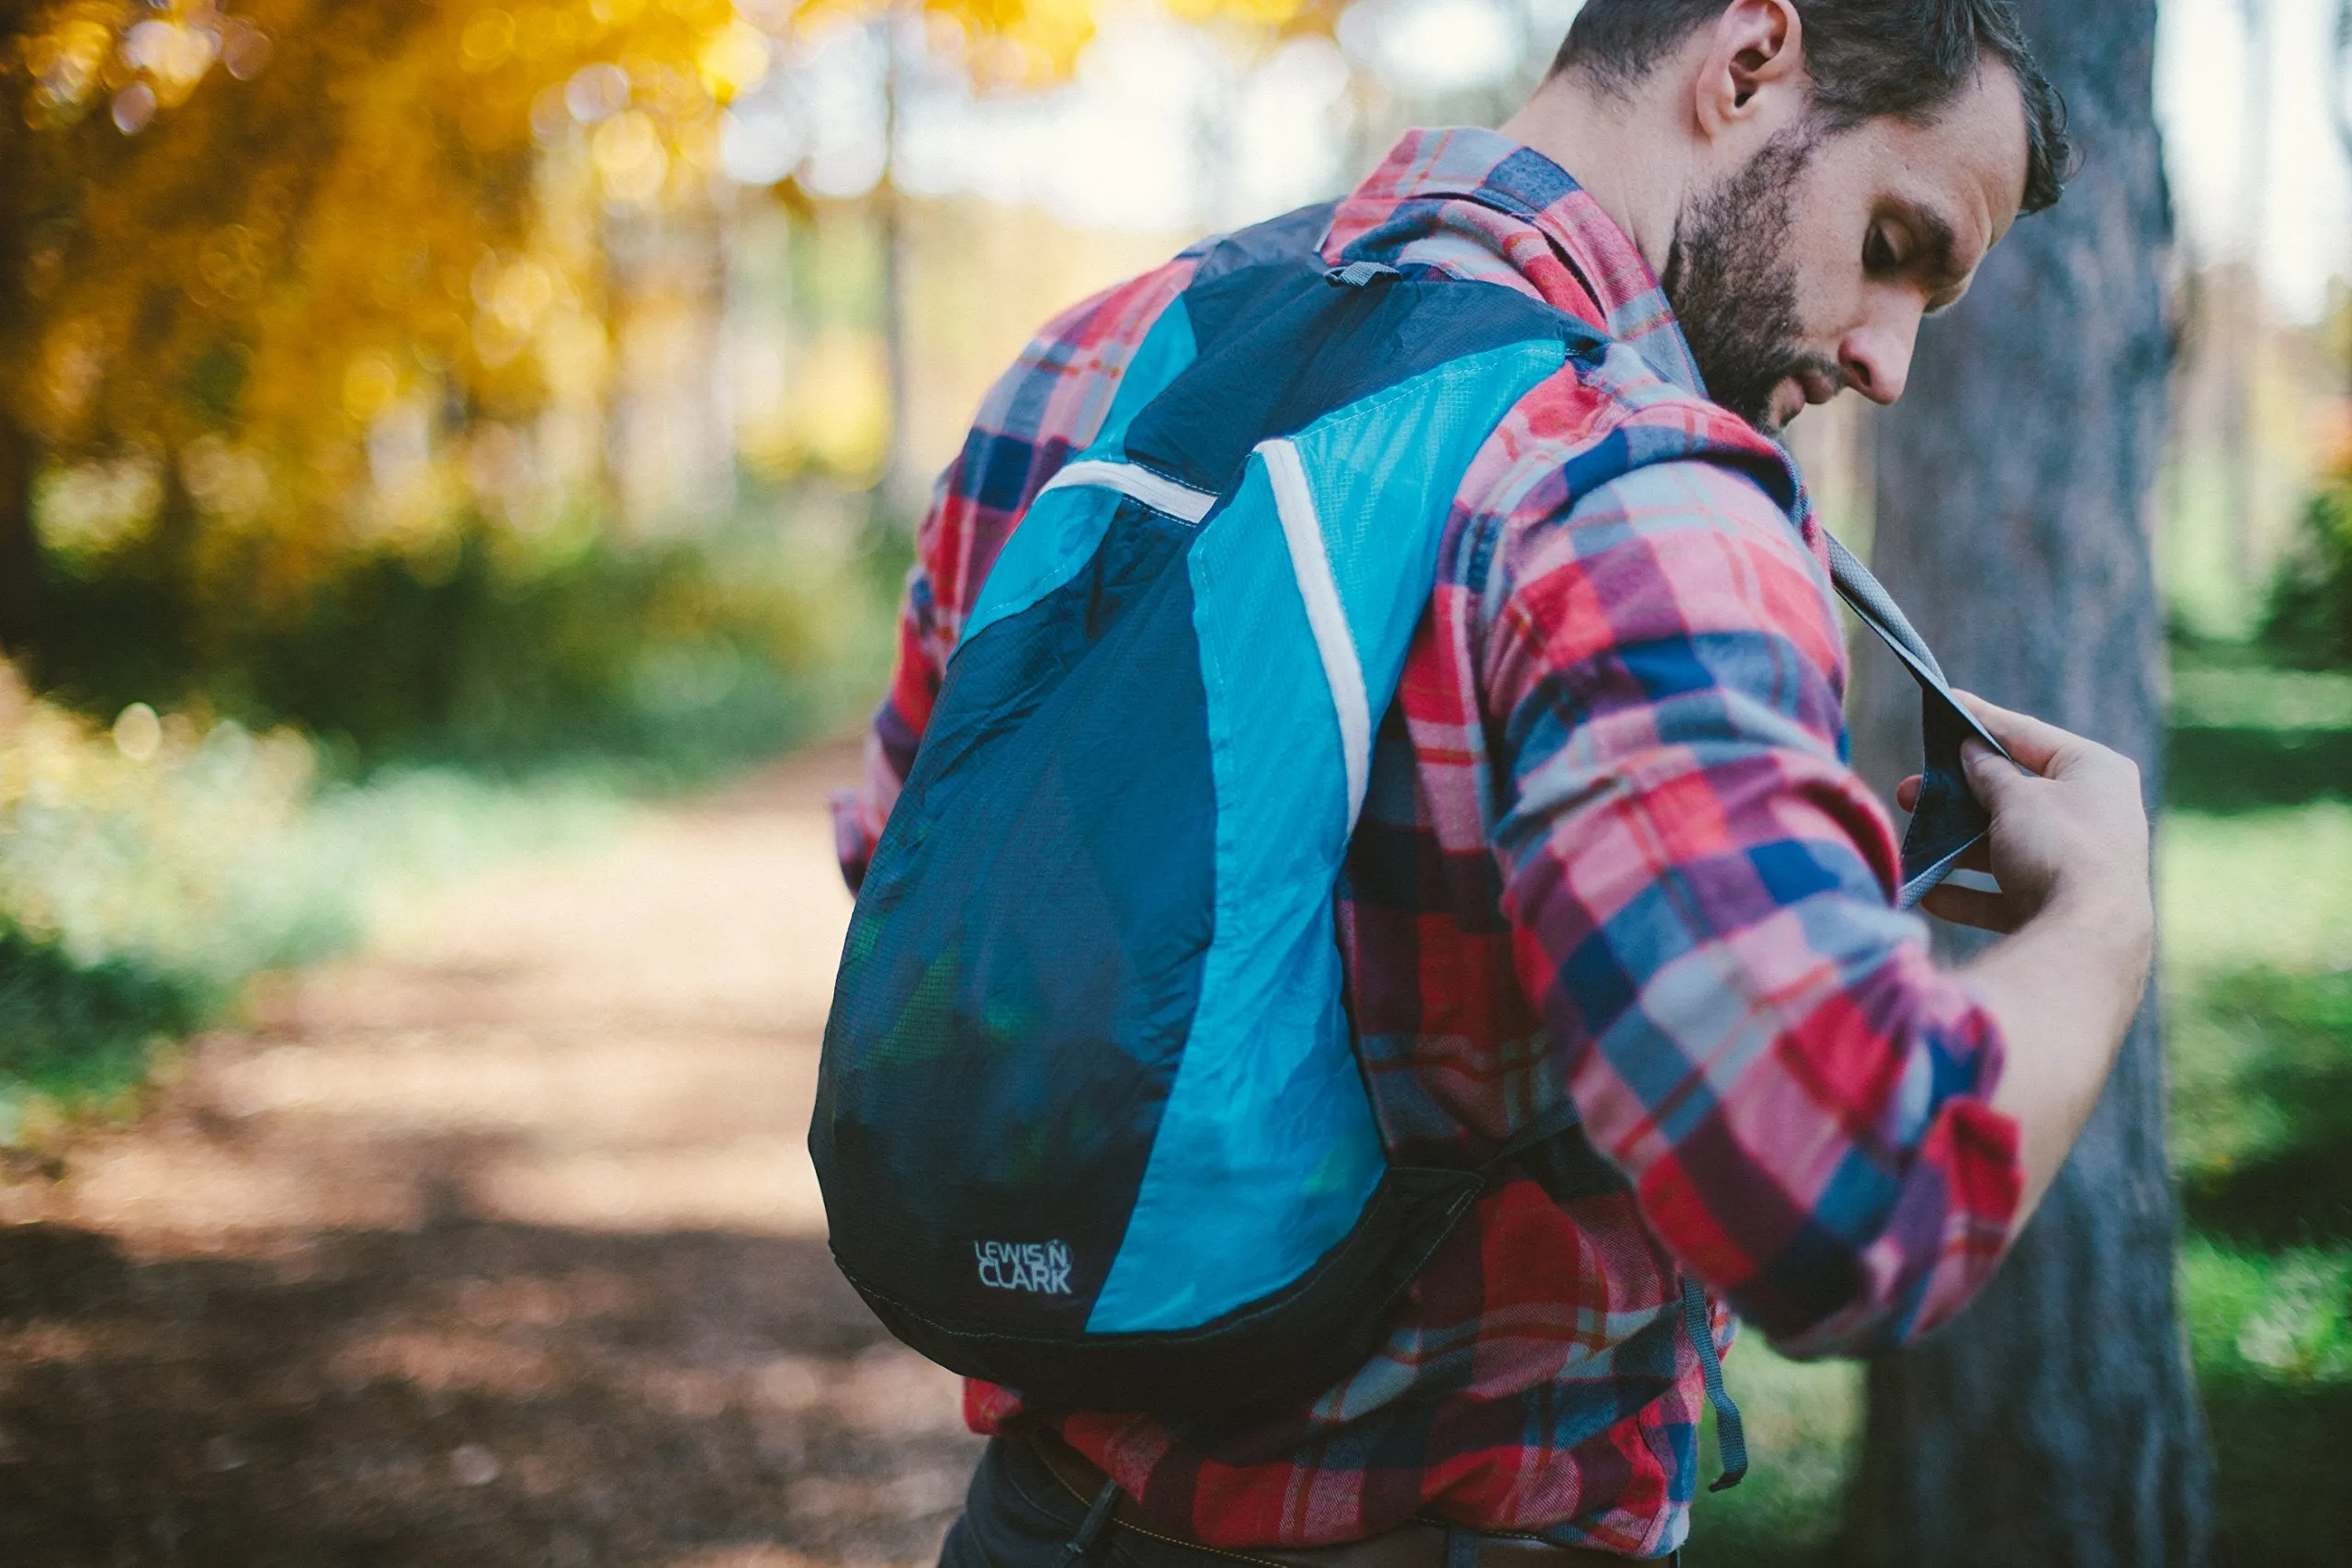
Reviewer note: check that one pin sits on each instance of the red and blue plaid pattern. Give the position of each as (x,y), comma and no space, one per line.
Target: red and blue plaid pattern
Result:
(1611,849)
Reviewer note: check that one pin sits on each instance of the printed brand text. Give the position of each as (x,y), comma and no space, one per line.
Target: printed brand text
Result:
(1040,1266)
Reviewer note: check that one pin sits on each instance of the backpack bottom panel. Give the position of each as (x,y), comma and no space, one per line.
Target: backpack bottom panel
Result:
(1315,1332)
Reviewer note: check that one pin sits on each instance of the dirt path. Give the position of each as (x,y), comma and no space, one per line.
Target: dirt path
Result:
(496,1245)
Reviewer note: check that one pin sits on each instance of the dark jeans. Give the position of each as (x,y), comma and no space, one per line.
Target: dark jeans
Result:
(1018,1516)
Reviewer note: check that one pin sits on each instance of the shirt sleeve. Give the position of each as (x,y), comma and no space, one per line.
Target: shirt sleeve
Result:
(1698,889)
(860,814)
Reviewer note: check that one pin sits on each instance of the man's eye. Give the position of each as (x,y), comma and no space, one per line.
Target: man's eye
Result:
(1878,253)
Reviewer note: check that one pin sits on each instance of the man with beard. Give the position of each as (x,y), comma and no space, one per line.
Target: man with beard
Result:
(1611,852)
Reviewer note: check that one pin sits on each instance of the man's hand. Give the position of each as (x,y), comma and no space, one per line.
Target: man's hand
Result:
(2067,825)
(2069,847)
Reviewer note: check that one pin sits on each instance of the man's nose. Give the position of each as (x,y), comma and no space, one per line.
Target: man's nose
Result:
(1876,357)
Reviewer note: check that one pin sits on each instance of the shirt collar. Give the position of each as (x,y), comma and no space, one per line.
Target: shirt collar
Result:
(1476,203)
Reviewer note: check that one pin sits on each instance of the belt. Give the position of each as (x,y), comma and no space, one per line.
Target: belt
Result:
(1420,1544)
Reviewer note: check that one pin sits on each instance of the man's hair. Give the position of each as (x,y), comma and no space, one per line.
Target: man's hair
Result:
(1866,58)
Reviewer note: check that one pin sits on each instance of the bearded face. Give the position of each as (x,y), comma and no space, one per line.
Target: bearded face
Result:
(1730,279)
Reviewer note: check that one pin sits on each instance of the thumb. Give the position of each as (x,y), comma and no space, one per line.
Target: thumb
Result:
(1991,777)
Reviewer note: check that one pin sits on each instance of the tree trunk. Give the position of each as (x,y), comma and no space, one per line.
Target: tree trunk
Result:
(2242,320)
(900,490)
(2055,1421)
(20,598)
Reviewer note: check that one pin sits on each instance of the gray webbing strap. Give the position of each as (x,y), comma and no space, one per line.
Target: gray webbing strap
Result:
(1871,601)
(1731,1432)
(1948,821)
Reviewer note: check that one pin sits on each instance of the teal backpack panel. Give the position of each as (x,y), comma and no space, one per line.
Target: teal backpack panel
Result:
(1268,1100)
(1268,1151)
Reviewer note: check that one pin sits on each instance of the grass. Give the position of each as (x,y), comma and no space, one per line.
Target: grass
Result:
(2254,891)
(1804,1428)
(2246,736)
(2257,910)
(2263,1065)
(2271,1332)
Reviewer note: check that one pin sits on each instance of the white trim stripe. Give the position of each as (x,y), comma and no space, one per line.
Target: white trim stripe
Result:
(1155,490)
(1309,561)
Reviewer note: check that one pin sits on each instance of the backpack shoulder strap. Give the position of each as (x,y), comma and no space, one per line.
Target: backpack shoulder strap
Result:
(1947,821)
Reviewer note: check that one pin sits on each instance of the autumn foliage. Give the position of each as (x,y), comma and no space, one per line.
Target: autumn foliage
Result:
(317,280)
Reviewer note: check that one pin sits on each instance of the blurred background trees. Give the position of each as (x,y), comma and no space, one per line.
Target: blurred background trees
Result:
(315,307)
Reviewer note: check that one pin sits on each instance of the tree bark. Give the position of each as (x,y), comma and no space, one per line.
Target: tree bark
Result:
(2055,1421)
(20,596)
(900,490)
(20,202)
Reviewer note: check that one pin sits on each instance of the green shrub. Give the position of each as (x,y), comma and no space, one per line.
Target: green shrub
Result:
(75,1030)
(682,655)
(2308,620)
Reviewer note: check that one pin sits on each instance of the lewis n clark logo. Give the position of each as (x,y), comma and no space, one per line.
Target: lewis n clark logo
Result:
(1040,1266)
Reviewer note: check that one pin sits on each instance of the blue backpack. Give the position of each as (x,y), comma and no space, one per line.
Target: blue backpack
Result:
(1090,1120)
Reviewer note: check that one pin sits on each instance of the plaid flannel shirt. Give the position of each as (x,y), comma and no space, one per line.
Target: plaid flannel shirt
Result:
(1611,849)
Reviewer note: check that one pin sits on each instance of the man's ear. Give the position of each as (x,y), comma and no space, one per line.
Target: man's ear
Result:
(1754,59)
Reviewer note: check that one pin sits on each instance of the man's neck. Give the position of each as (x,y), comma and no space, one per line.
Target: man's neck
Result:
(1627,153)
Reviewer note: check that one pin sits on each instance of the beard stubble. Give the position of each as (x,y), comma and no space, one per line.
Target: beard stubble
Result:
(1734,287)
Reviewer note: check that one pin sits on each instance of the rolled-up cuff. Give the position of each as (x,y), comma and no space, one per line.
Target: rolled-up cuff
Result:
(853,845)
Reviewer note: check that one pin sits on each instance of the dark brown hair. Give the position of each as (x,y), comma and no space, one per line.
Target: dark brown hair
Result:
(1866,58)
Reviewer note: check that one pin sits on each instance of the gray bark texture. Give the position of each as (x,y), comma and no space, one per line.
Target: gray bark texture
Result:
(2055,1420)
(20,619)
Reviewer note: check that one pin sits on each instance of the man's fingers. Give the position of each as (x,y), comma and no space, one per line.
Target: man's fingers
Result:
(1907,794)
(2032,742)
